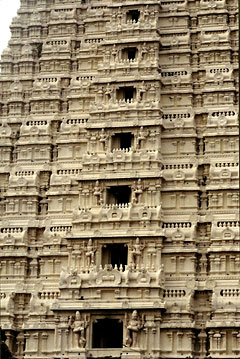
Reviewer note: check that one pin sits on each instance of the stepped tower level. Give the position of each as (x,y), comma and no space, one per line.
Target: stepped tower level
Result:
(119,180)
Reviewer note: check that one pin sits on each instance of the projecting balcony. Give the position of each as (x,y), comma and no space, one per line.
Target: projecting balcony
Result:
(97,276)
(132,22)
(222,120)
(131,67)
(216,37)
(124,105)
(128,98)
(121,160)
(225,233)
(120,219)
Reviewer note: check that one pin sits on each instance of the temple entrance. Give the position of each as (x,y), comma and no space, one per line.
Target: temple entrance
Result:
(107,333)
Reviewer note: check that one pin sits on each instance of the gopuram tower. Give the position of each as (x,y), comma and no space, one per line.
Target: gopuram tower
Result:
(119,180)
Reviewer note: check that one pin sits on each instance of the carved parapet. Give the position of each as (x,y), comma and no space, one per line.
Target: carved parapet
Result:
(71,126)
(131,26)
(173,5)
(225,233)
(216,36)
(176,77)
(97,277)
(225,305)
(171,37)
(212,4)
(222,118)
(179,172)
(81,82)
(122,105)
(63,15)
(218,74)
(225,173)
(35,127)
(122,212)
(54,235)
(18,233)
(127,158)
(23,179)
(52,45)
(179,232)
(90,43)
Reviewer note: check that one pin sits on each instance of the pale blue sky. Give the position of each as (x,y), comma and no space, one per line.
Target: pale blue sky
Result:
(8,9)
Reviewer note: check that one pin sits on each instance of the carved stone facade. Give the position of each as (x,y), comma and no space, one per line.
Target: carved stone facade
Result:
(119,180)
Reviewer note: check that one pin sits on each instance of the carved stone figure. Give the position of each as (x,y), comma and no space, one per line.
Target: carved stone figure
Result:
(133,328)
(137,191)
(136,253)
(64,278)
(10,303)
(35,304)
(90,253)
(79,326)
(97,191)
(160,275)
(103,139)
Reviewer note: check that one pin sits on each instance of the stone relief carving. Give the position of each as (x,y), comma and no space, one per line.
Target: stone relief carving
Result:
(134,326)
(136,253)
(78,326)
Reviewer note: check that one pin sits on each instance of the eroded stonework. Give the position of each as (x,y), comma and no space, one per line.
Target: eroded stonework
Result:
(119,180)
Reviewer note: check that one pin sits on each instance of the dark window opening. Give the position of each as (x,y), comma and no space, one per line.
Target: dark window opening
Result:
(129,53)
(107,333)
(77,45)
(133,15)
(37,50)
(115,254)
(122,140)
(126,93)
(118,195)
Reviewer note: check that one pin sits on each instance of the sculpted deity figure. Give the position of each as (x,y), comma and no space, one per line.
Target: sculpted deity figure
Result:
(97,191)
(79,325)
(90,253)
(35,304)
(160,275)
(103,138)
(136,252)
(133,328)
(10,303)
(137,190)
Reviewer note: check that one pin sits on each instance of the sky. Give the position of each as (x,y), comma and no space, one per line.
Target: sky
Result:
(8,9)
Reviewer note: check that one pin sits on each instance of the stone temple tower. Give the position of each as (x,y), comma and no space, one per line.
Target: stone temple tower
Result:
(119,180)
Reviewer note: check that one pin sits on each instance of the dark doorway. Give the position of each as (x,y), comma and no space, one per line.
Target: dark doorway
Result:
(127,93)
(129,53)
(107,333)
(122,140)
(118,195)
(133,15)
(115,254)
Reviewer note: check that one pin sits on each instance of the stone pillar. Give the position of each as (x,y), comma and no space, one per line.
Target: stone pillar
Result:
(45,342)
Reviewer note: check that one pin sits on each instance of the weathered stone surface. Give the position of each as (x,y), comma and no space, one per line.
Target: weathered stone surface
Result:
(119,180)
